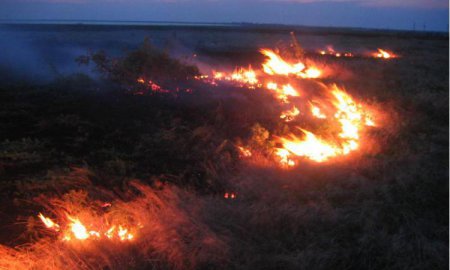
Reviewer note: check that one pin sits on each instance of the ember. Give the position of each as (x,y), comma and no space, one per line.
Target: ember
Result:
(230,195)
(330,51)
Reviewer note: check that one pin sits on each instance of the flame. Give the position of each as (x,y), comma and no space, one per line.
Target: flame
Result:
(78,229)
(273,65)
(289,115)
(75,229)
(243,76)
(247,76)
(332,52)
(245,152)
(351,118)
(345,117)
(310,146)
(218,75)
(383,54)
(312,73)
(380,53)
(276,65)
(351,115)
(284,157)
(316,112)
(48,222)
(282,93)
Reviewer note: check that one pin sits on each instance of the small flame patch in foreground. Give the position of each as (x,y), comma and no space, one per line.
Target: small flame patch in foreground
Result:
(75,229)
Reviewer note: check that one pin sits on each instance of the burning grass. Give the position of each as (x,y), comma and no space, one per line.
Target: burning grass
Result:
(156,224)
(333,107)
(366,183)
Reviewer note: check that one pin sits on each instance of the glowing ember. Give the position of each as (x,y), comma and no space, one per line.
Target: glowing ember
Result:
(330,51)
(380,53)
(154,87)
(230,195)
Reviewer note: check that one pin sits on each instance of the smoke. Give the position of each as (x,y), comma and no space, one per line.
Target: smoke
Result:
(36,57)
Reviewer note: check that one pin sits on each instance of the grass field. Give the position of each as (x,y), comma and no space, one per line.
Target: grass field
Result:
(70,135)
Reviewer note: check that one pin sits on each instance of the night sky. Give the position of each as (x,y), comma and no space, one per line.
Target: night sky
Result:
(388,14)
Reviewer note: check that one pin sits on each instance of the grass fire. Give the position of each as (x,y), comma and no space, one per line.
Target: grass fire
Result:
(347,118)
(225,147)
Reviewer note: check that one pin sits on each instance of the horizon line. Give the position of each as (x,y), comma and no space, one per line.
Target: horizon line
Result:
(199,23)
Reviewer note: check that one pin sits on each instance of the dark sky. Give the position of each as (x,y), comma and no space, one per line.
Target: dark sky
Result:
(390,14)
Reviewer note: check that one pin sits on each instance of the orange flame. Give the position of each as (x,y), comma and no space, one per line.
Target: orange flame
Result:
(243,75)
(77,230)
(347,119)
(48,222)
(289,115)
(245,152)
(316,112)
(284,92)
(350,116)
(310,146)
(276,65)
(384,54)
